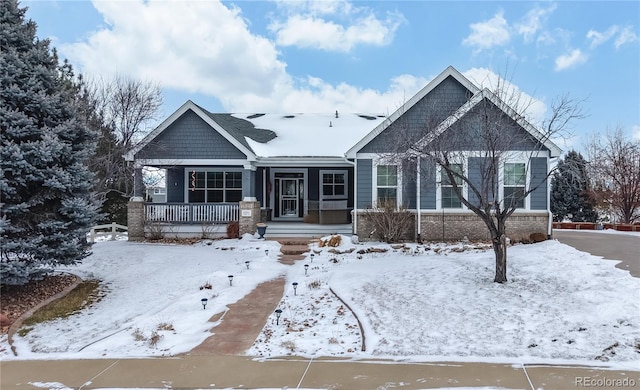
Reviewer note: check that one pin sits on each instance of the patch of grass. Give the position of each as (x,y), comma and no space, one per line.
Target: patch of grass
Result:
(85,294)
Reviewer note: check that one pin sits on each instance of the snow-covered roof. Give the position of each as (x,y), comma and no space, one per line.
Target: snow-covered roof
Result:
(305,135)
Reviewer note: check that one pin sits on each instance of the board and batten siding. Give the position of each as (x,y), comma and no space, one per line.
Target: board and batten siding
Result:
(190,137)
(427,185)
(364,185)
(538,197)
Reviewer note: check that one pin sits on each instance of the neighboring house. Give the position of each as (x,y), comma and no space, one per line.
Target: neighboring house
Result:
(156,194)
(322,168)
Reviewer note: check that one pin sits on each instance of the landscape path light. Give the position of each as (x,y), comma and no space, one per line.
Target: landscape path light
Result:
(278,313)
(266,252)
(295,288)
(230,280)
(312,257)
(247,263)
(204,303)
(306,268)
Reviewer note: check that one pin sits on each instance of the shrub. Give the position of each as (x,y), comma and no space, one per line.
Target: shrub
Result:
(389,223)
(233,230)
(537,237)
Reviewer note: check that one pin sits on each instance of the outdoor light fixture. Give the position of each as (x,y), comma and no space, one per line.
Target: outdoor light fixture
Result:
(295,288)
(247,264)
(306,267)
(312,257)
(230,280)
(278,313)
(204,303)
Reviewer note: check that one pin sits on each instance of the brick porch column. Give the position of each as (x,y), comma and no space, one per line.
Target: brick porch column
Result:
(135,219)
(249,215)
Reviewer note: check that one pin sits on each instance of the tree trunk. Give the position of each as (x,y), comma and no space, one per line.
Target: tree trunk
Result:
(500,250)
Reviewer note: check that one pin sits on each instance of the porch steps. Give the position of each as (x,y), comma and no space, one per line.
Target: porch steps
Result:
(304,230)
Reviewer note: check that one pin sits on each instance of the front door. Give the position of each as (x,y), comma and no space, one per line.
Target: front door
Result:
(289,191)
(289,197)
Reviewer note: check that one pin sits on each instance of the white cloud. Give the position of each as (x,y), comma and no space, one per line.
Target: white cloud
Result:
(533,21)
(490,33)
(307,25)
(626,36)
(533,109)
(570,60)
(635,132)
(598,38)
(207,48)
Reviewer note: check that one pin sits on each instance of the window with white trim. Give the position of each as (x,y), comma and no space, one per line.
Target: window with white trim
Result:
(448,197)
(387,184)
(214,186)
(333,184)
(515,179)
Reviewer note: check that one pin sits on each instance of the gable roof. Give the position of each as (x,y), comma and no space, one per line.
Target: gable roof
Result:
(449,72)
(511,113)
(235,139)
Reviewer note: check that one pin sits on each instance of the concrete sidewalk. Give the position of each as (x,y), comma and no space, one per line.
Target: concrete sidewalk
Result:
(203,372)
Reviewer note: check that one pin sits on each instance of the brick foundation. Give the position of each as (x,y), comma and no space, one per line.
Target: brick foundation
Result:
(135,220)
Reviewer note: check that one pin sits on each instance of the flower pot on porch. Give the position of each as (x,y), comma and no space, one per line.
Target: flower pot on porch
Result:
(262,229)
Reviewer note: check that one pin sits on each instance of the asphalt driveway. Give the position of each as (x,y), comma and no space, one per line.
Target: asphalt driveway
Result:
(624,247)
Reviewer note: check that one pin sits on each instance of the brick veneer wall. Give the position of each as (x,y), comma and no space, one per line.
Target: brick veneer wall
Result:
(135,220)
(456,226)
(248,223)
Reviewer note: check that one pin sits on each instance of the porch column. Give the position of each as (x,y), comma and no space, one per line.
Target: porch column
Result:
(138,185)
(249,181)
(249,215)
(135,220)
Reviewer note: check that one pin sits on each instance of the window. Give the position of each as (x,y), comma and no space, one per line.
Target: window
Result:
(515,178)
(449,199)
(387,184)
(214,186)
(334,184)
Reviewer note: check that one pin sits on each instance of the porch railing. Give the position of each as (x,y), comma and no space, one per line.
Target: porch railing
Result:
(191,213)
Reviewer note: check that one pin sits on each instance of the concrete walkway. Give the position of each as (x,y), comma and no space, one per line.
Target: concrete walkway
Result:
(204,372)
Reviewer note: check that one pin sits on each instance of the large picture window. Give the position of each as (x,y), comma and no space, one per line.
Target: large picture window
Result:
(449,199)
(214,186)
(387,184)
(515,179)
(334,184)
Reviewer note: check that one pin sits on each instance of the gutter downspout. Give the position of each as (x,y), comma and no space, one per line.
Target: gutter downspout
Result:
(354,219)
(550,224)
(419,235)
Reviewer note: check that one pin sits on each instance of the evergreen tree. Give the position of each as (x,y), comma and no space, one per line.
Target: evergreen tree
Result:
(45,185)
(570,195)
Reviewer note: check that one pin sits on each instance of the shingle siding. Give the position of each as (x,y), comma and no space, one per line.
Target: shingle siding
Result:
(365,182)
(190,137)
(538,198)
(175,185)
(432,109)
(427,185)
(409,184)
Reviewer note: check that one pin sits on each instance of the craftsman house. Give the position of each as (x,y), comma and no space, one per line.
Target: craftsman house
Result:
(314,170)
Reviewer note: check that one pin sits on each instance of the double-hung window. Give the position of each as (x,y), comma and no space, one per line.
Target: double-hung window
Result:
(387,184)
(449,199)
(515,179)
(214,186)
(334,184)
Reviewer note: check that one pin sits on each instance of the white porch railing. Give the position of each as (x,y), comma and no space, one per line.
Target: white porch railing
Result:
(191,213)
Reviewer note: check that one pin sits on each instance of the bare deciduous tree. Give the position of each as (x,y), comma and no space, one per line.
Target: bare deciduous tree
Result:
(614,165)
(123,110)
(474,148)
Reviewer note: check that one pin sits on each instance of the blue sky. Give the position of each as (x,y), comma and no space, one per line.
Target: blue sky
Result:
(357,56)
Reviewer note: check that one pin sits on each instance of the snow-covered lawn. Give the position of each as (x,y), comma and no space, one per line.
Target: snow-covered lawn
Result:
(414,302)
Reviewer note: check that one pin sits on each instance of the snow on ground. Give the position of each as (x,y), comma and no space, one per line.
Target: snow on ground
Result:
(414,302)
(149,289)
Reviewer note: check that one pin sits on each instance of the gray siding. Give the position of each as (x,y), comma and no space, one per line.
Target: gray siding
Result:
(190,137)
(409,184)
(428,185)
(475,167)
(365,183)
(538,198)
(175,184)
(432,109)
